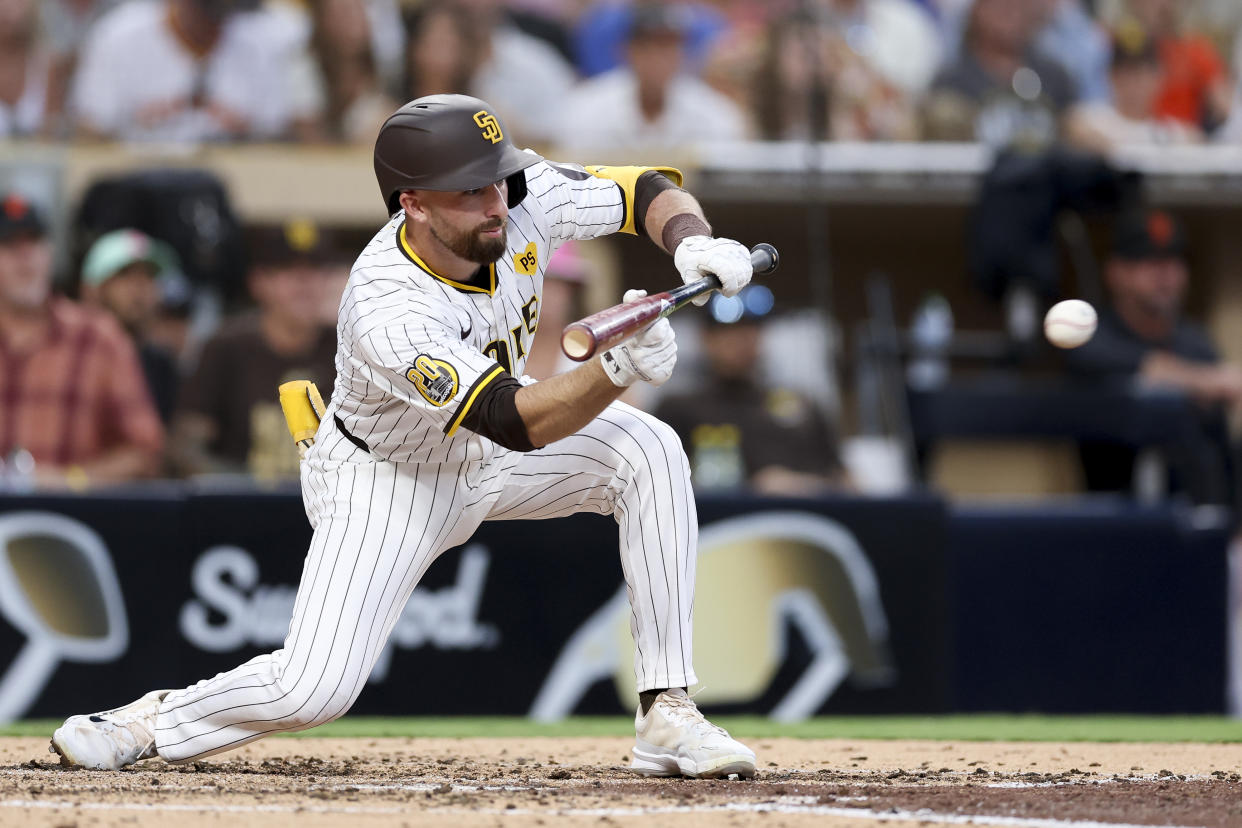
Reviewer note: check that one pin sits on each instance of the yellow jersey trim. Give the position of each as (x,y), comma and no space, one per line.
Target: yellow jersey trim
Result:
(474,393)
(627,179)
(414,257)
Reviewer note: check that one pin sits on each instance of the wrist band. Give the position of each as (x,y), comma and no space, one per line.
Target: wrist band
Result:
(680,226)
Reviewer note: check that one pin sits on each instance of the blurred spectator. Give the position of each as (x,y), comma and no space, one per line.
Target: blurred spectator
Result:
(122,275)
(334,271)
(64,25)
(894,40)
(25,71)
(1131,117)
(1232,130)
(740,432)
(1143,337)
(601,34)
(387,40)
(228,416)
(441,50)
(734,59)
(72,396)
(185,318)
(547,20)
(1195,88)
(862,62)
(999,89)
(337,83)
(182,70)
(526,77)
(1073,38)
(651,101)
(792,81)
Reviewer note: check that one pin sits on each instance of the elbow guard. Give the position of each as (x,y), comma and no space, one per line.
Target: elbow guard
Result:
(650,184)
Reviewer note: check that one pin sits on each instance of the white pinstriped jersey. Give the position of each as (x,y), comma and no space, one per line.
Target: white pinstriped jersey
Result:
(415,348)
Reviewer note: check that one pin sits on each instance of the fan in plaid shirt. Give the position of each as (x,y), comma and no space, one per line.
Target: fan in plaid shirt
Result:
(72,391)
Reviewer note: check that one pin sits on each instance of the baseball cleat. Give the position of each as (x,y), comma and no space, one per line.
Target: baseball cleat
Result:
(110,740)
(674,739)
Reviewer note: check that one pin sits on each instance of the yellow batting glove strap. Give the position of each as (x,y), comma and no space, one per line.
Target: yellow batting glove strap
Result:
(627,180)
(303,407)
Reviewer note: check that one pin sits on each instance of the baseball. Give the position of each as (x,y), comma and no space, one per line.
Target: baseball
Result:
(1070,323)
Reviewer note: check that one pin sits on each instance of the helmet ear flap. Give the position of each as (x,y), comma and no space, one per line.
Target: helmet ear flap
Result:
(517,188)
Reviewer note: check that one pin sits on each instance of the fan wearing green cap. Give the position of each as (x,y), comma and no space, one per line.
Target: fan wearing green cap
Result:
(123,274)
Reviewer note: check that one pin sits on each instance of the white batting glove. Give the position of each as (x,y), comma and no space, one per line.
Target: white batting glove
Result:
(699,256)
(648,356)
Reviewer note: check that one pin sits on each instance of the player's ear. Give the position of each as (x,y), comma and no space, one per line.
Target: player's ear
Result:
(412,204)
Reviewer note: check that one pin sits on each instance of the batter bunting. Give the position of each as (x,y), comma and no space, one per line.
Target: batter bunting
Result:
(429,432)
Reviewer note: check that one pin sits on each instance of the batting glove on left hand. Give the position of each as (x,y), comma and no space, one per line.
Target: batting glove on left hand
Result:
(699,256)
(649,356)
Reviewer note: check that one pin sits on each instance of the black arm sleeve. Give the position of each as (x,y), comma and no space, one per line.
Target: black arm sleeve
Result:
(649,185)
(495,416)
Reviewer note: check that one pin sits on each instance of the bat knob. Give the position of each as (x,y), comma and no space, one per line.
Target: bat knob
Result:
(577,342)
(764,258)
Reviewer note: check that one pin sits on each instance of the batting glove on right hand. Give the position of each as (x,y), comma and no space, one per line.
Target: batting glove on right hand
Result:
(648,356)
(729,261)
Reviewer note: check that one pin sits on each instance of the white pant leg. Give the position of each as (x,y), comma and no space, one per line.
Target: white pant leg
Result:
(378,526)
(628,464)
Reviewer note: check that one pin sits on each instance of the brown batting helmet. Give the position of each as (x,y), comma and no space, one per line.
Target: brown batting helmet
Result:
(447,142)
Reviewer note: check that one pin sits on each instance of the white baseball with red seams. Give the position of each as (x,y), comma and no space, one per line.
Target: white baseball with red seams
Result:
(1070,323)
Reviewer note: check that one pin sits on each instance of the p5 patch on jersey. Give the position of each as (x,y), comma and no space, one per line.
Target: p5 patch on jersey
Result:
(435,379)
(527,261)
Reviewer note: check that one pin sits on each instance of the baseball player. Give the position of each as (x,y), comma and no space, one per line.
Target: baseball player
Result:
(430,431)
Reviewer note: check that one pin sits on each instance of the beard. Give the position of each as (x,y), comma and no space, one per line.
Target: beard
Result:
(471,245)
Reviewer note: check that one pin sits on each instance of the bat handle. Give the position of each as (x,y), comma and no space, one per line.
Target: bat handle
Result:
(583,339)
(764,259)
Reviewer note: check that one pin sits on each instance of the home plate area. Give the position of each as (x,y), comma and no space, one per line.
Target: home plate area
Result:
(559,781)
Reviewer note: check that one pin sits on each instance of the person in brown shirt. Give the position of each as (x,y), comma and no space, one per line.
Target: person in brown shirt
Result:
(741,432)
(72,394)
(228,416)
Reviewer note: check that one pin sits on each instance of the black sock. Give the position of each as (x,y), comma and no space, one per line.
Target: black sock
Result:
(648,697)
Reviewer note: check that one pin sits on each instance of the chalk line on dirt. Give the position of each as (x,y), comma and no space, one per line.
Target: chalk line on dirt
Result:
(784,805)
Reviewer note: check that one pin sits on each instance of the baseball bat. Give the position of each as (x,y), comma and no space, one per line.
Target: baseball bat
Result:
(598,332)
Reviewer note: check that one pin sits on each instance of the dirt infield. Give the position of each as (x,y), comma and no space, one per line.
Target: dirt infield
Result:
(531,782)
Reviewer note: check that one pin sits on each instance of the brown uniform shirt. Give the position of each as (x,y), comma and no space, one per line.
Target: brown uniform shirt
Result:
(761,426)
(235,386)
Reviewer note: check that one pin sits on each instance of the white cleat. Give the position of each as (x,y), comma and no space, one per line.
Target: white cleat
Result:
(674,739)
(110,740)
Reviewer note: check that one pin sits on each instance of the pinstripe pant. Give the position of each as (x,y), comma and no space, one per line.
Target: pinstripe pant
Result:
(378,525)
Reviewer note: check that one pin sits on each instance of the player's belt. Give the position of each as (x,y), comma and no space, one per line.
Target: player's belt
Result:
(351,438)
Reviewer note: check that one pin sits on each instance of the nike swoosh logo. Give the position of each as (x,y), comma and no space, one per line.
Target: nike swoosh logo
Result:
(465,334)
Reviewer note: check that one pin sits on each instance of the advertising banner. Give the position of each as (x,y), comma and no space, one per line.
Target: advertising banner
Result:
(802,607)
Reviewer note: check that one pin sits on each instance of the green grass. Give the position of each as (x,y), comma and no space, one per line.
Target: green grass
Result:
(954,728)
